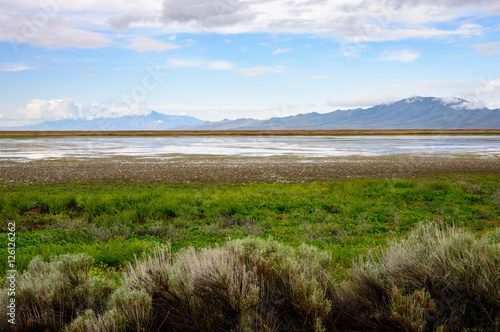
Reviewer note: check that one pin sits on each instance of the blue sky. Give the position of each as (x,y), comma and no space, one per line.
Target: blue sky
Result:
(237,59)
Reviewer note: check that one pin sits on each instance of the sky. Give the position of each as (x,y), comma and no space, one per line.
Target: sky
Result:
(216,59)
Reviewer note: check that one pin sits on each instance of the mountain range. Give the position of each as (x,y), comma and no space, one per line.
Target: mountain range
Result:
(410,113)
(152,121)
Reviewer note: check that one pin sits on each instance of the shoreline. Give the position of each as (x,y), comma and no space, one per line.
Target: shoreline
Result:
(139,133)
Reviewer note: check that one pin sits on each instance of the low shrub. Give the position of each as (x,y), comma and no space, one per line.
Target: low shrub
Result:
(459,271)
(51,295)
(434,280)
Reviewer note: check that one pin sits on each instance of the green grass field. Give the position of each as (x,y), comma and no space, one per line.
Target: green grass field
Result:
(416,254)
(345,217)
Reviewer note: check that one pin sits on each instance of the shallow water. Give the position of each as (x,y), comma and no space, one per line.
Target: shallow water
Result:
(301,146)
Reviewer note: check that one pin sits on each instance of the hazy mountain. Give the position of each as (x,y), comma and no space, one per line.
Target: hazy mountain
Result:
(411,113)
(152,121)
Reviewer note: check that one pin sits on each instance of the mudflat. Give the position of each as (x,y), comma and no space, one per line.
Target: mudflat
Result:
(202,168)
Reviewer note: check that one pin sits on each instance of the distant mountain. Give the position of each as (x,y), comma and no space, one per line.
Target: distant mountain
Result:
(152,121)
(410,113)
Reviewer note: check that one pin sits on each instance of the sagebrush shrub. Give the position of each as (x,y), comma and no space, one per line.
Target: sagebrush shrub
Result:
(434,280)
(459,270)
(51,295)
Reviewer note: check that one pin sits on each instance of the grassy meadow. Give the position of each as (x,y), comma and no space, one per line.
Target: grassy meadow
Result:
(320,227)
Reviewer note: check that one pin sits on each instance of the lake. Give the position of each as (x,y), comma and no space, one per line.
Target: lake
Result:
(258,146)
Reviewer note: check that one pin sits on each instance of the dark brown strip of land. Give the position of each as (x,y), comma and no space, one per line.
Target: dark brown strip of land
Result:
(239,169)
(253,132)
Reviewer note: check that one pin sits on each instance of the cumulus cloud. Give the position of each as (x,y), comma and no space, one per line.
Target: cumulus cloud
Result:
(146,44)
(405,55)
(206,13)
(123,21)
(487,93)
(55,109)
(281,51)
(492,48)
(201,63)
(67,108)
(260,70)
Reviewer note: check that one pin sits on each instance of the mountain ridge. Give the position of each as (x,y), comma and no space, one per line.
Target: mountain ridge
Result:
(151,121)
(410,113)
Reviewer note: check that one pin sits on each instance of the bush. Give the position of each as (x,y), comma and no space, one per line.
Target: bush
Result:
(249,284)
(458,270)
(50,295)
(411,311)
(435,280)
(111,321)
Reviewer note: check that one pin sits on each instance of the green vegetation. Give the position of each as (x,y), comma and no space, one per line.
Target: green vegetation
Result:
(273,257)
(345,217)
(432,280)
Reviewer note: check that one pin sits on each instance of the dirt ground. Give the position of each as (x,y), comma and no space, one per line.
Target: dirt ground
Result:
(239,169)
(251,132)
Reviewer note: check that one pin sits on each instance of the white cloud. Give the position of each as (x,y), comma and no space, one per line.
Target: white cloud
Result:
(172,37)
(405,55)
(201,63)
(67,108)
(52,32)
(98,6)
(55,109)
(123,21)
(145,44)
(450,100)
(281,51)
(84,24)
(206,13)
(220,65)
(260,70)
(358,21)
(470,105)
(492,48)
(14,67)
